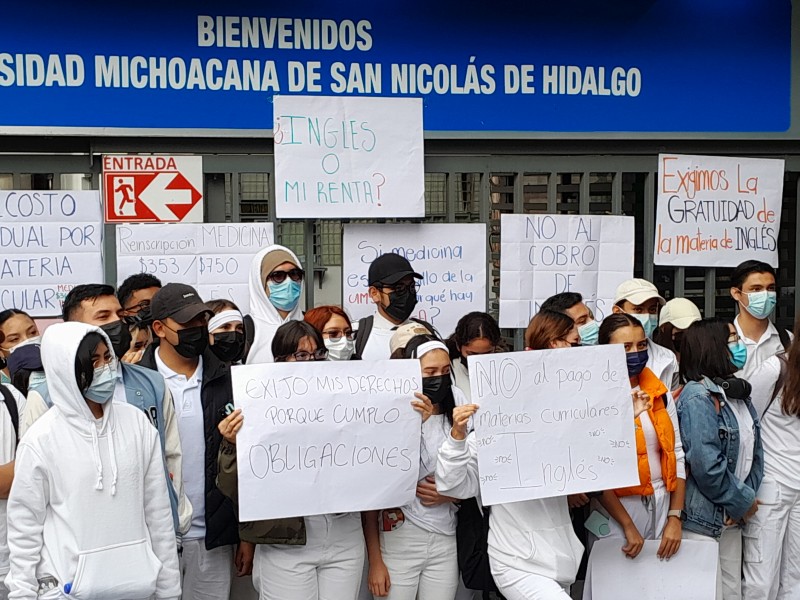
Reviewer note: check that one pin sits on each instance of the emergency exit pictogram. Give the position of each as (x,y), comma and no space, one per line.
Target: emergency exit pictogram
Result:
(163,189)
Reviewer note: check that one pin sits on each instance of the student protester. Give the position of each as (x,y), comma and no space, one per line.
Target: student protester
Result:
(393,290)
(136,293)
(754,290)
(476,333)
(141,337)
(336,329)
(675,318)
(640,299)
(17,328)
(572,305)
(317,557)
(25,368)
(412,549)
(276,286)
(652,509)
(226,331)
(772,536)
(89,514)
(722,440)
(201,386)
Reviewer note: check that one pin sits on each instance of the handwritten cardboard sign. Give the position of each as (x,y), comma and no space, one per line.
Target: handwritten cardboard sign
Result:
(330,437)
(348,157)
(553,422)
(212,257)
(52,241)
(543,255)
(450,257)
(717,211)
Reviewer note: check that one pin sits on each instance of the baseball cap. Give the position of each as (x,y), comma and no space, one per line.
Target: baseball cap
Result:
(405,333)
(680,312)
(637,291)
(179,302)
(390,268)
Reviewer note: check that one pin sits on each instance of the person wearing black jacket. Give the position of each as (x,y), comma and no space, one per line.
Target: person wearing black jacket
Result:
(201,386)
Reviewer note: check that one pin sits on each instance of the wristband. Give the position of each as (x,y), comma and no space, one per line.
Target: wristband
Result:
(674,513)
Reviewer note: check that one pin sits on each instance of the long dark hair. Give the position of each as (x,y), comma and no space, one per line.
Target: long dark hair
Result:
(704,350)
(613,322)
(473,326)
(84,363)
(410,351)
(663,337)
(288,337)
(790,404)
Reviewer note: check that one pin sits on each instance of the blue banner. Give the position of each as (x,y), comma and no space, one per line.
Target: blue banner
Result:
(502,66)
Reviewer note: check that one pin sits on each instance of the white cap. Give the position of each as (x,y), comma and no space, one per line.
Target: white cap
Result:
(637,291)
(405,333)
(681,312)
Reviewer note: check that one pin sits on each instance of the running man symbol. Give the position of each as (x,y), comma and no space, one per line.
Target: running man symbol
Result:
(124,197)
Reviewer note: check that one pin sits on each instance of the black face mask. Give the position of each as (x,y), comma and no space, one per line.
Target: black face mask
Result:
(740,389)
(438,389)
(192,341)
(228,346)
(401,305)
(120,335)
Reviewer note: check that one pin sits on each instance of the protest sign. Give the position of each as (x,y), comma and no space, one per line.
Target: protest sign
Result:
(450,257)
(213,257)
(340,157)
(553,422)
(52,241)
(717,211)
(543,255)
(328,437)
(688,575)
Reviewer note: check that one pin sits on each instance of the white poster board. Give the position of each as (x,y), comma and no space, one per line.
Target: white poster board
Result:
(346,157)
(51,241)
(553,422)
(332,437)
(717,211)
(689,575)
(214,258)
(450,257)
(543,255)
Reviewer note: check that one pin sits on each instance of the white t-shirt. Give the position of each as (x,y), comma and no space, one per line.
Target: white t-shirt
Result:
(377,347)
(188,402)
(747,438)
(8,451)
(758,350)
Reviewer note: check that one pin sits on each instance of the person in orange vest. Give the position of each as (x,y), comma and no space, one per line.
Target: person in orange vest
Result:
(652,509)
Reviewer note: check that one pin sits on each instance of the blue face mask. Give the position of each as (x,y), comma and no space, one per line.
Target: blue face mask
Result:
(649,322)
(636,362)
(738,354)
(284,295)
(761,304)
(589,333)
(103,383)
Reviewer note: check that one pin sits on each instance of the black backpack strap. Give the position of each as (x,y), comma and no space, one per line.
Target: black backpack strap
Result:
(784,366)
(249,335)
(13,409)
(362,335)
(784,337)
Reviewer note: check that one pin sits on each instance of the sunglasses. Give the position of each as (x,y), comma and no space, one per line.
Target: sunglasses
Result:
(280,276)
(335,335)
(303,356)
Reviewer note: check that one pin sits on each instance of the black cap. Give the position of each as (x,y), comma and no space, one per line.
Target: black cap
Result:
(179,302)
(389,269)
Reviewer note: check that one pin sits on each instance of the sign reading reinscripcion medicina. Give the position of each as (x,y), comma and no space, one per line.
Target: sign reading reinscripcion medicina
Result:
(52,241)
(553,422)
(717,211)
(344,157)
(543,255)
(213,257)
(326,437)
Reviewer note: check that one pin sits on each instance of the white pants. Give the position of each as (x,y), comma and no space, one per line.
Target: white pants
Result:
(327,567)
(772,545)
(205,574)
(420,561)
(520,585)
(729,567)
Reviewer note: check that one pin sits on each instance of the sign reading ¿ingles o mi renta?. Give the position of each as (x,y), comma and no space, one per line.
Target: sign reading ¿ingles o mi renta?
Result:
(717,211)
(553,422)
(326,437)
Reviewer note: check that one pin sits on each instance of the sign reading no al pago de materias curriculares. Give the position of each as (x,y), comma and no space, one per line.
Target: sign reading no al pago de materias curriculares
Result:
(578,66)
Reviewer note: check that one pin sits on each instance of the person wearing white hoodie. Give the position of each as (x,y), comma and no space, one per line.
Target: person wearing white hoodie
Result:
(88,515)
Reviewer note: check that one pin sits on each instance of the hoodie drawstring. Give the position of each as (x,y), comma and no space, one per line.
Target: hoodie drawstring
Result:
(98,462)
(112,455)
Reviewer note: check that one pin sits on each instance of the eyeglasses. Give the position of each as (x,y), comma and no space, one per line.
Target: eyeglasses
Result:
(303,356)
(402,288)
(136,308)
(733,338)
(337,334)
(280,276)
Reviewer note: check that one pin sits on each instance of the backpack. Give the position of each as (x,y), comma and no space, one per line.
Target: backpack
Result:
(471,546)
(783,335)
(365,328)
(779,382)
(13,409)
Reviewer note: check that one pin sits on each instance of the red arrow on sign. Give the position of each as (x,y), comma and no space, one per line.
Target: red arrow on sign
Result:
(170,196)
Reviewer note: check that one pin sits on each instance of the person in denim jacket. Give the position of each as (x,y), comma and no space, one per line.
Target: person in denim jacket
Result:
(722,441)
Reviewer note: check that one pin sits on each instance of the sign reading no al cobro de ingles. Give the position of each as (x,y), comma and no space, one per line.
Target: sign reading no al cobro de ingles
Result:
(572,66)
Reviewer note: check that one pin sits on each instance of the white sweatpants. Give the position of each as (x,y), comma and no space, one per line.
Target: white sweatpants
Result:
(772,545)
(328,567)
(729,567)
(520,585)
(205,574)
(420,561)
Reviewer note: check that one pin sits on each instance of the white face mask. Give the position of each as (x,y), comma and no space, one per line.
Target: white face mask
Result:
(340,349)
